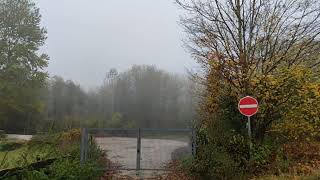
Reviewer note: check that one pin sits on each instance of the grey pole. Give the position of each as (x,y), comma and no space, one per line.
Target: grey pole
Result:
(250,136)
(82,146)
(193,142)
(138,151)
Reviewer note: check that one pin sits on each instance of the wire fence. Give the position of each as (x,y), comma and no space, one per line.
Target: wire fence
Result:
(140,149)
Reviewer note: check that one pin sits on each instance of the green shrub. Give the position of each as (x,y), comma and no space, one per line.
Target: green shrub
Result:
(65,147)
(2,134)
(9,146)
(215,163)
(261,154)
(222,155)
(34,174)
(237,146)
(72,169)
(222,149)
(186,163)
(64,168)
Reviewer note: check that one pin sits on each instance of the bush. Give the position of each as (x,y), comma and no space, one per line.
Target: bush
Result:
(220,156)
(64,168)
(186,162)
(117,121)
(214,163)
(302,152)
(34,174)
(72,169)
(289,104)
(9,146)
(65,147)
(237,146)
(2,134)
(261,154)
(288,112)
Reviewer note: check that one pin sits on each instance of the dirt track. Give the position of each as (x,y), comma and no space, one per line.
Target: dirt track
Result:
(19,137)
(155,153)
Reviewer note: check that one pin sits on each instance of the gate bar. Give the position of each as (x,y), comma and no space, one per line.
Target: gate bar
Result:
(95,130)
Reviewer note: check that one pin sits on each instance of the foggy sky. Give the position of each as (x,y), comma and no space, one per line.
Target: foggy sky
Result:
(88,37)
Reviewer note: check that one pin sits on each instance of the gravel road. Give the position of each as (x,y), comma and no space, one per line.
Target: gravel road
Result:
(155,153)
(19,137)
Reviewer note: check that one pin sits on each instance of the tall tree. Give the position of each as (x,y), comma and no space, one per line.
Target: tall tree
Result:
(21,65)
(66,105)
(237,41)
(240,38)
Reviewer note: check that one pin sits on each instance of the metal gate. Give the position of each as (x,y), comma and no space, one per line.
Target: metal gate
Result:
(139,149)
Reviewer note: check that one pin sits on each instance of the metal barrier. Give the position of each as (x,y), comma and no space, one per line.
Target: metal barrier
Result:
(139,149)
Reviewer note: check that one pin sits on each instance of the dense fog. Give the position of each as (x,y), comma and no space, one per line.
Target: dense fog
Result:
(142,96)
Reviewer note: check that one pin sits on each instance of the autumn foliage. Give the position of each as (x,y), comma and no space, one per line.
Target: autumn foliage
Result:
(266,49)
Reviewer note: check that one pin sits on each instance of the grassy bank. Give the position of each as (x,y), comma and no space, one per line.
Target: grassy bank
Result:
(63,147)
(25,154)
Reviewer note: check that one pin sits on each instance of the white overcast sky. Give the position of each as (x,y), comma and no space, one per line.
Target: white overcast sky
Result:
(88,37)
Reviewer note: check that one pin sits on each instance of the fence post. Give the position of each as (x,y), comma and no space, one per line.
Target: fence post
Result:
(82,146)
(86,146)
(138,151)
(194,142)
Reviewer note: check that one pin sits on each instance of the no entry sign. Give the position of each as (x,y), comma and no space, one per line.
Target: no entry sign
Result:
(248,106)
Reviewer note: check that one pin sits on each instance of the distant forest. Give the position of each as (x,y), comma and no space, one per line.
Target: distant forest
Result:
(142,96)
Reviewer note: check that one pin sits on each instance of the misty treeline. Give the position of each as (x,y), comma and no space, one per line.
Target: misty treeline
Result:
(142,96)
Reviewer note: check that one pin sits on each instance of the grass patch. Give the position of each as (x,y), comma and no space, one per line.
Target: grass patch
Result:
(26,154)
(63,147)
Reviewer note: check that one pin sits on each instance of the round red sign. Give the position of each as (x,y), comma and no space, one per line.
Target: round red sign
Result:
(248,106)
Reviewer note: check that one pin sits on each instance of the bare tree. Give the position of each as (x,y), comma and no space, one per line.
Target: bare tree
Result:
(242,38)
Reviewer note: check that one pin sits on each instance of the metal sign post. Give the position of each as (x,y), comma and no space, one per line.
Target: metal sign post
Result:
(248,106)
(249,133)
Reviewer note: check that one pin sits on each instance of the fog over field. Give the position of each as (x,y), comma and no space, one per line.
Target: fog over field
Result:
(87,38)
(166,89)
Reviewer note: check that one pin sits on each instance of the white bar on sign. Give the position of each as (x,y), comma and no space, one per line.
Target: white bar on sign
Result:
(249,106)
